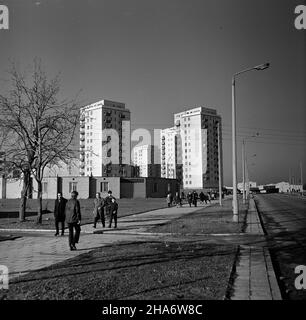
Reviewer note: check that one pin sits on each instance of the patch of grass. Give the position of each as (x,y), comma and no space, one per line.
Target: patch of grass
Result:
(148,270)
(9,219)
(213,219)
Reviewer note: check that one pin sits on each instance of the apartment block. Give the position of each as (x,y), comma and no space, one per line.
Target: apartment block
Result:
(171,162)
(190,151)
(143,161)
(105,144)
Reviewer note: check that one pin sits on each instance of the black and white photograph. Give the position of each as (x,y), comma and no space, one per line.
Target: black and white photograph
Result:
(152,157)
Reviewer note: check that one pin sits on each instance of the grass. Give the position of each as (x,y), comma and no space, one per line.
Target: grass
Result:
(9,214)
(148,270)
(208,220)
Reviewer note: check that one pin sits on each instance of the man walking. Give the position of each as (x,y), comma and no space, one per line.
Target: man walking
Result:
(73,219)
(59,213)
(98,210)
(189,198)
(108,206)
(195,197)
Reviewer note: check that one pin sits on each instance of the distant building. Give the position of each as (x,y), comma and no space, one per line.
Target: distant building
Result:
(88,186)
(251,185)
(105,139)
(143,160)
(71,168)
(189,151)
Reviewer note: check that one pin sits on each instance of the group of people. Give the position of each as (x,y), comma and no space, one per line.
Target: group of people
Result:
(69,211)
(192,198)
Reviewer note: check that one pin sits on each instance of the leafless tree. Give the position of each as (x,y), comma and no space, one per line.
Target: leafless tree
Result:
(38,126)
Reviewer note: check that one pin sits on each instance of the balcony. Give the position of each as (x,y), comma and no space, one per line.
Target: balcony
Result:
(82,139)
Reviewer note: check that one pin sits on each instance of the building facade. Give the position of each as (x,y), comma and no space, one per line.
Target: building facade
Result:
(105,139)
(170,153)
(190,150)
(143,161)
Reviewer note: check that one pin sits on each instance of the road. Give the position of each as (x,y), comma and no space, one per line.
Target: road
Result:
(284,221)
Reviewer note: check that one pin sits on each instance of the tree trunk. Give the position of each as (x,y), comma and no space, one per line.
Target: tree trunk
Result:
(39,202)
(23,200)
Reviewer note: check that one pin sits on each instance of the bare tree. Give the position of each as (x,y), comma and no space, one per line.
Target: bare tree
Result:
(39,127)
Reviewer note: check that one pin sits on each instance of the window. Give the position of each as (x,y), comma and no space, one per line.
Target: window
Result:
(44,187)
(73,186)
(155,188)
(103,186)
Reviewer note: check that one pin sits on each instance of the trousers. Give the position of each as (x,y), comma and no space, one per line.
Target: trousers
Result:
(74,233)
(100,216)
(57,222)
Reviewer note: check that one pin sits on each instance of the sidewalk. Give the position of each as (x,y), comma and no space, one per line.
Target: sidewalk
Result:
(37,250)
(256,279)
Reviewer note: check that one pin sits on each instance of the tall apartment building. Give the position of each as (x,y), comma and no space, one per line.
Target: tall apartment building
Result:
(105,139)
(143,160)
(194,151)
(170,153)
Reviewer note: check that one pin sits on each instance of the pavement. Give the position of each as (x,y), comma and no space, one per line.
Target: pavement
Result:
(255,279)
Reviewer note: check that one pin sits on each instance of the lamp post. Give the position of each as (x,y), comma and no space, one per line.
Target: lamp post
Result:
(219,164)
(234,142)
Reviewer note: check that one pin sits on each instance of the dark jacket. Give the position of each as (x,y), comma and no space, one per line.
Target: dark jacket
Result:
(114,207)
(108,200)
(73,211)
(59,209)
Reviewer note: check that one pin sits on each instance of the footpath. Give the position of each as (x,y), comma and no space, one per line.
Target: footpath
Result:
(39,249)
(255,279)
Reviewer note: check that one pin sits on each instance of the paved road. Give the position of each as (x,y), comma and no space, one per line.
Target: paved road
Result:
(284,219)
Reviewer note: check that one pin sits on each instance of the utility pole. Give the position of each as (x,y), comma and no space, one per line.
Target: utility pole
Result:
(289,180)
(243,170)
(219,164)
(301,168)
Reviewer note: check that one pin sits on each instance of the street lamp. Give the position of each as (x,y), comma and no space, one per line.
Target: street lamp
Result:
(234,142)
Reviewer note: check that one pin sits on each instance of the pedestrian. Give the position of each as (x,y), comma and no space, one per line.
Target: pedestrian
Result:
(202,197)
(114,213)
(189,198)
(59,213)
(169,199)
(98,210)
(177,200)
(108,206)
(195,197)
(182,196)
(73,219)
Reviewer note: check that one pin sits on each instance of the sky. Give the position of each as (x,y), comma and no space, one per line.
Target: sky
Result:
(164,56)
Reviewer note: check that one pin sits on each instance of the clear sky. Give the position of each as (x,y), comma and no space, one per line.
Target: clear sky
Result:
(162,56)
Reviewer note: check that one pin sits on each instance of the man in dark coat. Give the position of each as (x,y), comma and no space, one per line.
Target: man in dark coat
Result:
(98,210)
(189,198)
(73,219)
(108,206)
(59,213)
(195,197)
(202,197)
